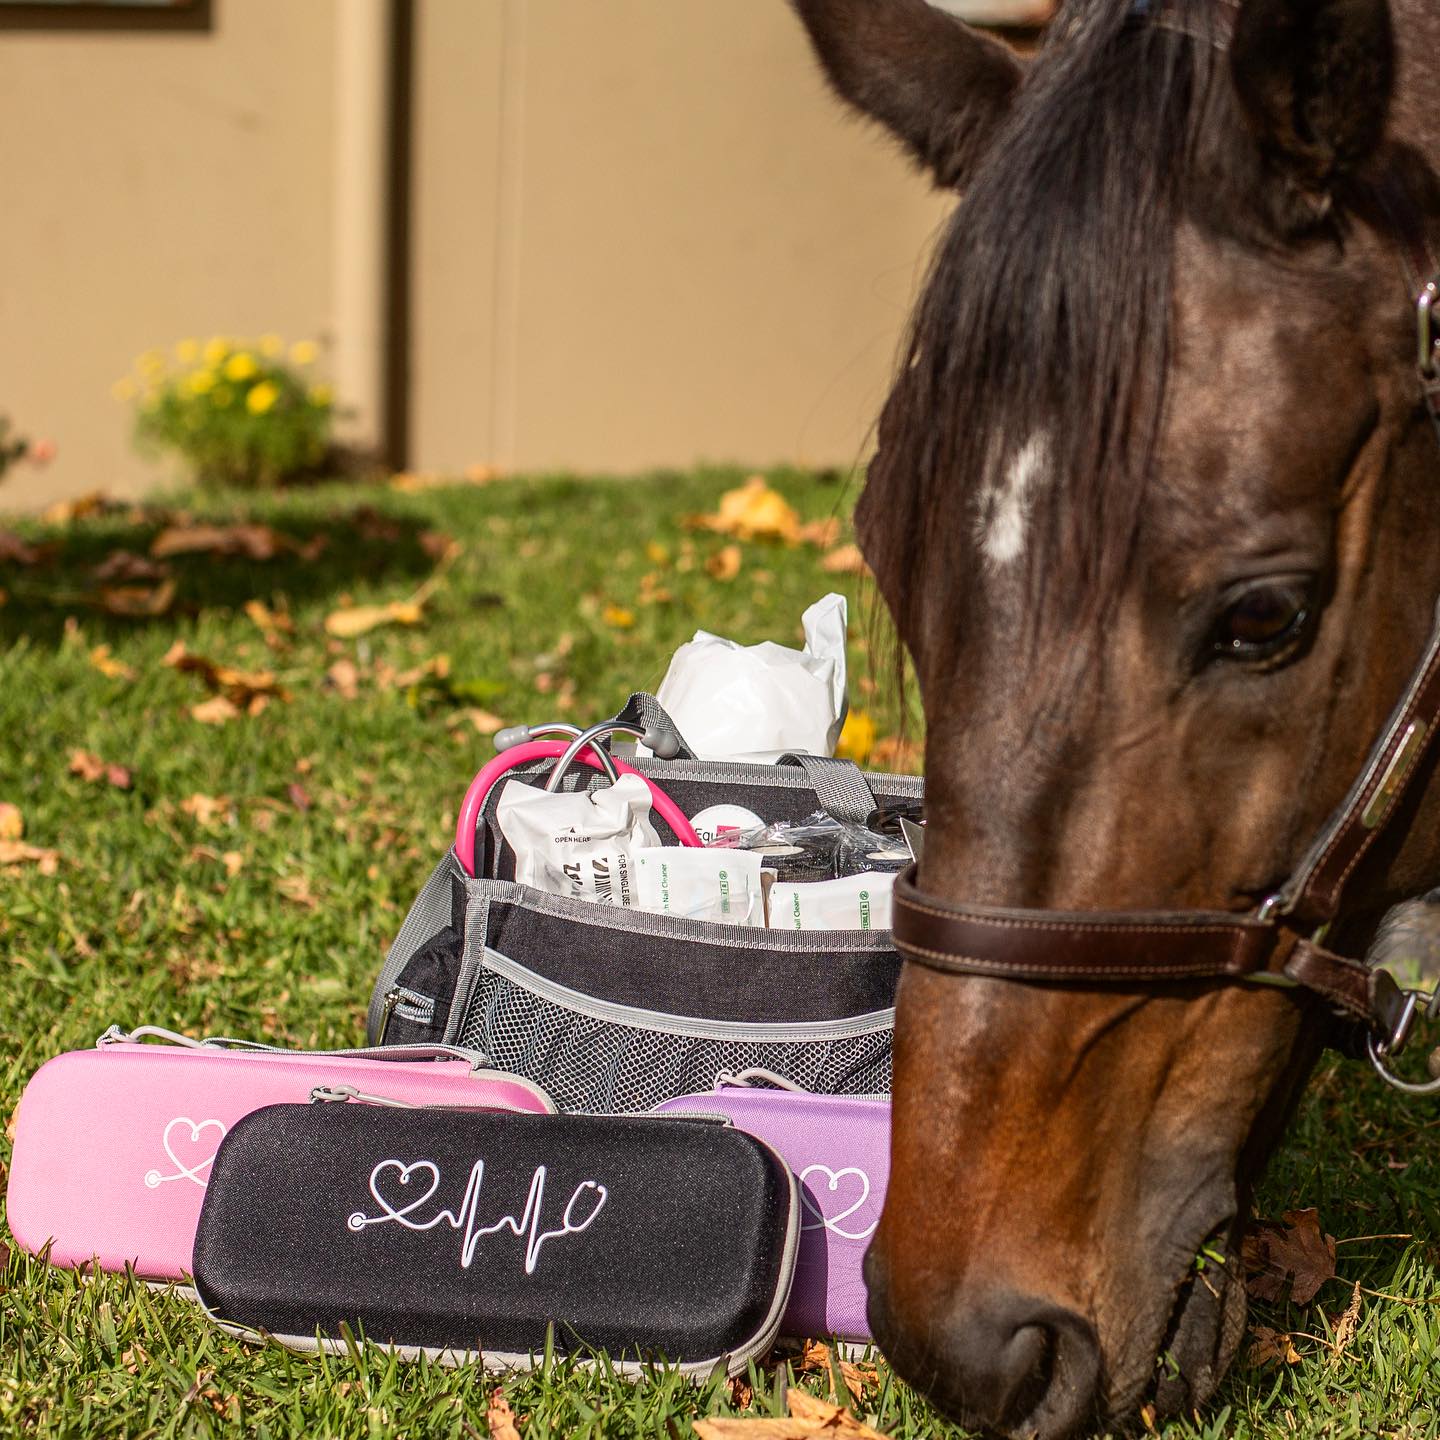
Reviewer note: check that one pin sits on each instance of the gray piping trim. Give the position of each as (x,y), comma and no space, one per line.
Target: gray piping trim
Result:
(732,1363)
(633,1017)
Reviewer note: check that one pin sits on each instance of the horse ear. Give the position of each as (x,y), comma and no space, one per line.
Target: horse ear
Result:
(1314,79)
(938,86)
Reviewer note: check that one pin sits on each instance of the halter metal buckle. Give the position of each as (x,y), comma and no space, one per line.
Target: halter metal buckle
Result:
(1427,335)
(1382,1049)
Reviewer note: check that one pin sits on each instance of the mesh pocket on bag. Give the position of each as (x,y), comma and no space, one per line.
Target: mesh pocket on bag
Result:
(595,1056)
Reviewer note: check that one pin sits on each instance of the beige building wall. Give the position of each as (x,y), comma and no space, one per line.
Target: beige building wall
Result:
(688,252)
(158,186)
(642,233)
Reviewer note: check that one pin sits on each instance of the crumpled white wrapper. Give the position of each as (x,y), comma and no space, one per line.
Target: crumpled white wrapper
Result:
(758,702)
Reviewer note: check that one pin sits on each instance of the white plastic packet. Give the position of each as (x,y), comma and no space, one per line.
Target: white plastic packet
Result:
(748,702)
(854,902)
(580,844)
(719,885)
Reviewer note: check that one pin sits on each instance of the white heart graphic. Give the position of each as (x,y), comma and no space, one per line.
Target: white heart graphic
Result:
(154,1179)
(404,1172)
(835,1223)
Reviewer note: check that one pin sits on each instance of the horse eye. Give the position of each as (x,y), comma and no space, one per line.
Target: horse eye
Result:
(1263,621)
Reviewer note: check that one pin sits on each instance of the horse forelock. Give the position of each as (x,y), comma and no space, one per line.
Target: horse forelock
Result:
(1020,434)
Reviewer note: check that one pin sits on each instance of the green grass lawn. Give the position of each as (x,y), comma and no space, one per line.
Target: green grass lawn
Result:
(265,912)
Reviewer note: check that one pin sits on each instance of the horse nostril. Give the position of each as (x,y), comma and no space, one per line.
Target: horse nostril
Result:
(1002,1362)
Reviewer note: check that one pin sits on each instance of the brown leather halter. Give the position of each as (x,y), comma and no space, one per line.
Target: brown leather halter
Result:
(1281,941)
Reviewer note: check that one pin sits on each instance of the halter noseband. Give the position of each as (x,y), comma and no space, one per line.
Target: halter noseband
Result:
(1281,941)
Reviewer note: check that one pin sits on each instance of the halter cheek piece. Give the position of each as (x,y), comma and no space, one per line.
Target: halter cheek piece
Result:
(1281,942)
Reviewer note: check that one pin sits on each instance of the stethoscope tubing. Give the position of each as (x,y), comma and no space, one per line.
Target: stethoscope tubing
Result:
(532,750)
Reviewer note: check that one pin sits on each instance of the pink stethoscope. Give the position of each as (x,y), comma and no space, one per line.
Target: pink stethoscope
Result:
(517,746)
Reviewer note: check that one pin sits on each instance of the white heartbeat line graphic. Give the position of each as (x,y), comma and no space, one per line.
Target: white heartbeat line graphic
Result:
(526,1225)
(154,1179)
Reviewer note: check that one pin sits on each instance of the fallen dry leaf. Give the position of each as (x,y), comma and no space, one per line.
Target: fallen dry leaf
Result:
(297,888)
(242,688)
(437,544)
(63,512)
(652,590)
(256,542)
(1269,1347)
(822,534)
(819,1358)
(137,600)
(500,1418)
(618,617)
(903,757)
(1298,1253)
(92,769)
(274,625)
(206,809)
(344,678)
(361,619)
(1346,1326)
(810,1419)
(845,560)
(482,721)
(857,737)
(724,564)
(125,567)
(108,665)
(299,796)
(409,482)
(752,511)
(17,852)
(12,822)
(214,711)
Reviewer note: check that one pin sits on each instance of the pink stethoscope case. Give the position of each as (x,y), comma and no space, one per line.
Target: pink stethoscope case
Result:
(113,1146)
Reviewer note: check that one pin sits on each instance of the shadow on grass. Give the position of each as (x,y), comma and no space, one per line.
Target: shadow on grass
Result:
(316,558)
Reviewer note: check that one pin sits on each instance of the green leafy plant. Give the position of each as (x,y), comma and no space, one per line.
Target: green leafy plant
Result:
(13,447)
(238,414)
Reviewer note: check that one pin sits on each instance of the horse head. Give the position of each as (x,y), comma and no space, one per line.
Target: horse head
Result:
(1153,508)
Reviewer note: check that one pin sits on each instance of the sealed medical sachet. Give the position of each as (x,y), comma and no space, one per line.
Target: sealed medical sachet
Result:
(854,902)
(720,885)
(579,844)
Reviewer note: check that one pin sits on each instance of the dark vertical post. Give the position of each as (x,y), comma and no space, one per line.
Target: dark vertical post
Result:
(395,418)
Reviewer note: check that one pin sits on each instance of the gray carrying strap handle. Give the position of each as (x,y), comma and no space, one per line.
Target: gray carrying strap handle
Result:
(114,1035)
(840,786)
(645,712)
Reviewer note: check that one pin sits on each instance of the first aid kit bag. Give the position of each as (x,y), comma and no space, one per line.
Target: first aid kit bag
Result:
(115,1146)
(461,1235)
(614,1009)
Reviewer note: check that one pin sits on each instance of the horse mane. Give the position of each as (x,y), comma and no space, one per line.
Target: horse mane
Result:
(1047,311)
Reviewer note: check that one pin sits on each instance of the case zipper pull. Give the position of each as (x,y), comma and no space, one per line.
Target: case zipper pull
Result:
(324,1094)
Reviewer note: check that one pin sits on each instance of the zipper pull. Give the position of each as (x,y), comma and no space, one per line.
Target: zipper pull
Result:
(324,1094)
(387,1009)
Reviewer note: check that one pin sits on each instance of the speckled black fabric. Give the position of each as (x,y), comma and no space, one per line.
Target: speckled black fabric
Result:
(644,1236)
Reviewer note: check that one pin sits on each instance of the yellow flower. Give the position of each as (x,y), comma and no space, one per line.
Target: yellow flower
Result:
(240,366)
(221,396)
(271,346)
(187,352)
(304,352)
(152,362)
(202,382)
(123,389)
(261,398)
(321,396)
(216,349)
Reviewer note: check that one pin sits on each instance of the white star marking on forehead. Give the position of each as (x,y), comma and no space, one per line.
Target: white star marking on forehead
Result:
(1004,504)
